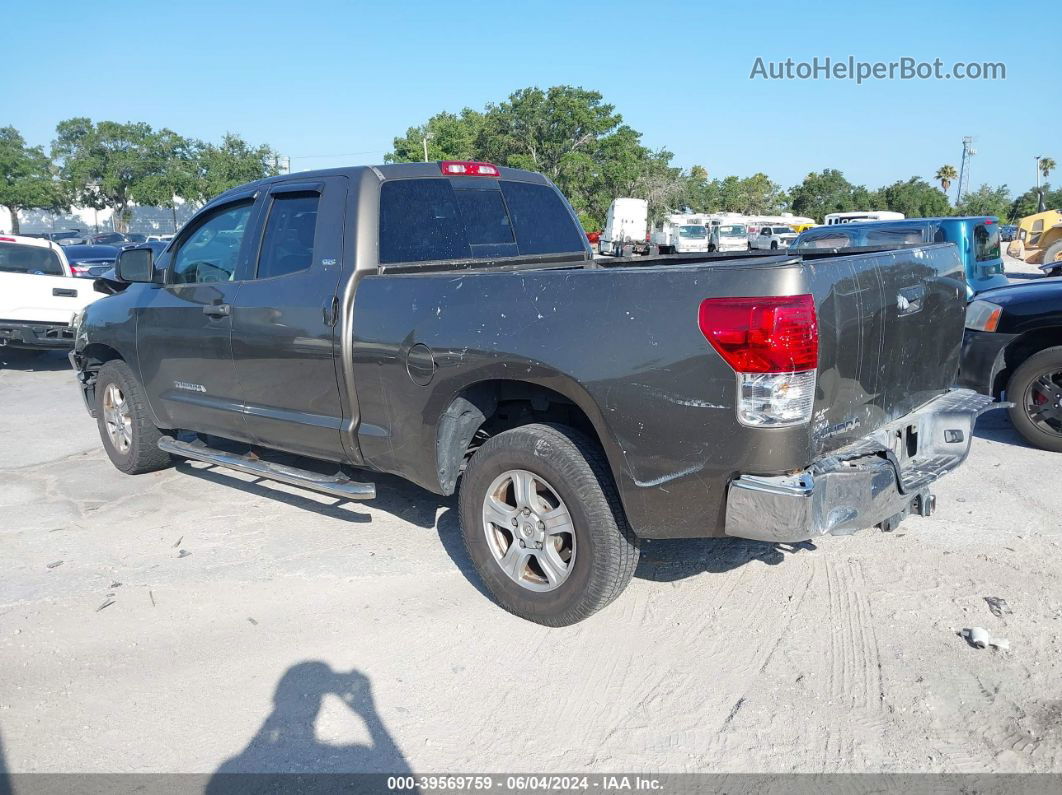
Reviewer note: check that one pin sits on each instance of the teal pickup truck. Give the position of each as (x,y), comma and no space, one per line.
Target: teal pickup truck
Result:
(976,238)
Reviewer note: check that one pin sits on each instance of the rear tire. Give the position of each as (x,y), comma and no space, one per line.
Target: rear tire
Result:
(1023,388)
(584,567)
(129,436)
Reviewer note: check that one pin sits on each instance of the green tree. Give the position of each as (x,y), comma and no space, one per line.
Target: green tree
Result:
(26,180)
(945,176)
(172,176)
(915,198)
(828,192)
(105,162)
(218,167)
(448,137)
(986,200)
(1047,165)
(540,130)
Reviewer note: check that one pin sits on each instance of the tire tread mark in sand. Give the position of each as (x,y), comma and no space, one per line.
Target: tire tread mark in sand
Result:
(855,661)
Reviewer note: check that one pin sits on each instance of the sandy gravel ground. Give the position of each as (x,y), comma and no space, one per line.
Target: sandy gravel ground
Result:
(197,620)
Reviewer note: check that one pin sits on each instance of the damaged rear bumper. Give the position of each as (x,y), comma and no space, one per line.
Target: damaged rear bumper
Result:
(36,335)
(874,481)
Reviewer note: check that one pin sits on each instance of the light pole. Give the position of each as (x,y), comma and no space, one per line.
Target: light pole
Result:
(1038,159)
(427,135)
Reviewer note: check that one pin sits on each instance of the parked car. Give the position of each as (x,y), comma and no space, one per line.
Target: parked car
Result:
(39,294)
(90,261)
(1008,232)
(772,238)
(159,238)
(975,237)
(108,239)
(461,335)
(1012,350)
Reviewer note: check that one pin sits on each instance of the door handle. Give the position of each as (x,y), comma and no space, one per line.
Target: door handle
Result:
(62,292)
(217,310)
(330,311)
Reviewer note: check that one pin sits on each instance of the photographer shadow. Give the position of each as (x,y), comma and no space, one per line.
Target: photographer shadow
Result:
(286,744)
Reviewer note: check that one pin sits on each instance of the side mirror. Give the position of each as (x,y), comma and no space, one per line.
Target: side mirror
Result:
(136,265)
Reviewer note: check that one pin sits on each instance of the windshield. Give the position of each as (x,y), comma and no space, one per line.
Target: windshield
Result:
(693,231)
(734,230)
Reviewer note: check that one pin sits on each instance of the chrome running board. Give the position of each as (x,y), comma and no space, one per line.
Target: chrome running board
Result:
(335,485)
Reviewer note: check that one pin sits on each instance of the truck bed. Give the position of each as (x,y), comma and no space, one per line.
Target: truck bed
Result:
(619,339)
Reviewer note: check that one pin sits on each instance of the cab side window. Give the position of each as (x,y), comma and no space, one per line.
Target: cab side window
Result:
(210,252)
(287,246)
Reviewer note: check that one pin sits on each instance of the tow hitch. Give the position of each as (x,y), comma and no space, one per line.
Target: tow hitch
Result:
(923,504)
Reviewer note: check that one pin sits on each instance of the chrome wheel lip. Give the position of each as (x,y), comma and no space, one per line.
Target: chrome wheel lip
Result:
(530,534)
(117,418)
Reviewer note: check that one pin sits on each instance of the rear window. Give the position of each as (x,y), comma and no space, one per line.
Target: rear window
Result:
(423,220)
(541,219)
(893,237)
(827,240)
(986,242)
(29,259)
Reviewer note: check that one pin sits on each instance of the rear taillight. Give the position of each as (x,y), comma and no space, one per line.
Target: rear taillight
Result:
(772,343)
(469,168)
(77,270)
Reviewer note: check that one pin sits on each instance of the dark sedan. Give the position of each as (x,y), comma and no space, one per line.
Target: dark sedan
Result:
(1013,349)
(90,261)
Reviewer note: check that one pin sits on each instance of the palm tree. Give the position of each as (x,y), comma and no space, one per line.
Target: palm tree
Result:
(945,176)
(1047,165)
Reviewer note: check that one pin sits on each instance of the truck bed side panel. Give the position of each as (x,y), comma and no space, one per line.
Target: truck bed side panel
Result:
(624,345)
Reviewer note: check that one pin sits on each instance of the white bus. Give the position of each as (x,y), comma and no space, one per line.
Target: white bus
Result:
(862,215)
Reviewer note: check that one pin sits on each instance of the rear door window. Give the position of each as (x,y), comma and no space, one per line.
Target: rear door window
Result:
(986,242)
(33,260)
(289,234)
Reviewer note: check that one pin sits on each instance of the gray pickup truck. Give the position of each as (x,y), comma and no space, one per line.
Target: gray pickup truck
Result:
(448,323)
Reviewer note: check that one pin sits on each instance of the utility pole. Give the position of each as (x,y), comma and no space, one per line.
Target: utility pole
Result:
(964,170)
(424,140)
(1038,159)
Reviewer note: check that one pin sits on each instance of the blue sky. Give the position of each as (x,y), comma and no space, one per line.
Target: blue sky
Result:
(331,83)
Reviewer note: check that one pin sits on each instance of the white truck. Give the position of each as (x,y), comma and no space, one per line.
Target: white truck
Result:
(626,226)
(682,234)
(730,236)
(772,237)
(39,294)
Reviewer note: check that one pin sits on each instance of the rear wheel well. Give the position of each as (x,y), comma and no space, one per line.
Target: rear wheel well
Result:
(1021,349)
(489,408)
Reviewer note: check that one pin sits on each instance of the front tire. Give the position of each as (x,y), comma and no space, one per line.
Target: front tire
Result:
(1036,391)
(129,436)
(543,524)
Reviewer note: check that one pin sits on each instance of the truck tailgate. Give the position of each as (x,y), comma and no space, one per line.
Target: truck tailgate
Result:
(890,331)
